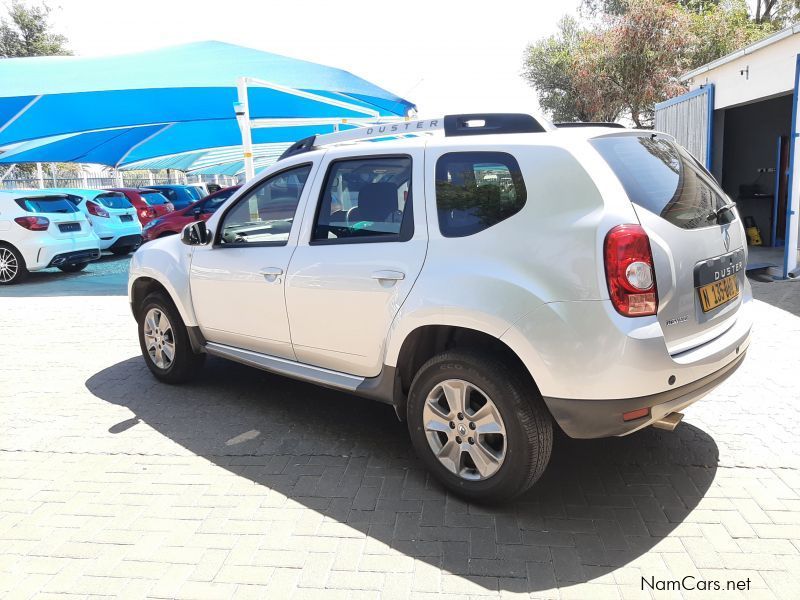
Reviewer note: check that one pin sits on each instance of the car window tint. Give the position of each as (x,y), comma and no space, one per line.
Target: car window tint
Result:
(114,200)
(475,190)
(662,177)
(365,198)
(47,205)
(265,214)
(153,198)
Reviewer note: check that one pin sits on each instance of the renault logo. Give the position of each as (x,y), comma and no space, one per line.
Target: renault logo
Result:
(726,239)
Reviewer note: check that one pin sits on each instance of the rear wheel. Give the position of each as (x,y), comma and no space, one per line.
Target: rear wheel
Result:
(74,268)
(164,341)
(12,265)
(478,426)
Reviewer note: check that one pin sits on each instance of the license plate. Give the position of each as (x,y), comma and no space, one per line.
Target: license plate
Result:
(126,218)
(718,293)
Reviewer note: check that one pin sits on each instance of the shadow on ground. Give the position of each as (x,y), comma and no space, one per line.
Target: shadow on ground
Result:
(600,505)
(107,276)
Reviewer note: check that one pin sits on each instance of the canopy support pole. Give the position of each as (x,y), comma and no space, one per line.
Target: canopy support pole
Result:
(8,171)
(243,117)
(40,175)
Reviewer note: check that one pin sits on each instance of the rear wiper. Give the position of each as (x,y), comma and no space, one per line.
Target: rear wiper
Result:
(716,214)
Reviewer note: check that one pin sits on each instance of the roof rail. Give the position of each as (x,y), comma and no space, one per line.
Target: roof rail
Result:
(453,125)
(589,124)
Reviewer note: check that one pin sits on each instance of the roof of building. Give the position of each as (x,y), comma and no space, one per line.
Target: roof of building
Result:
(749,49)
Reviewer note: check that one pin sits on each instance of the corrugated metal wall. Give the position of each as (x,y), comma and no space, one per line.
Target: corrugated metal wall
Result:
(687,119)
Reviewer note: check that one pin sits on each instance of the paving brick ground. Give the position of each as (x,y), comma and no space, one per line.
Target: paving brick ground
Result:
(247,485)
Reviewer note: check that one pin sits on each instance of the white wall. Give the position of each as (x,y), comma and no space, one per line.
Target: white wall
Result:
(771,73)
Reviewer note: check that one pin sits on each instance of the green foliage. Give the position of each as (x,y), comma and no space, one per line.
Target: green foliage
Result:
(723,29)
(630,54)
(26,32)
(550,67)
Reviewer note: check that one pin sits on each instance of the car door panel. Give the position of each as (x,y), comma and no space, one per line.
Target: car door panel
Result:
(238,288)
(342,297)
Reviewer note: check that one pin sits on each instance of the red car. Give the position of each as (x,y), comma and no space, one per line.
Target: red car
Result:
(174,222)
(149,204)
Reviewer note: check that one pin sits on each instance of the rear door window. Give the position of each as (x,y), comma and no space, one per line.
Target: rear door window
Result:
(662,177)
(46,205)
(114,200)
(475,190)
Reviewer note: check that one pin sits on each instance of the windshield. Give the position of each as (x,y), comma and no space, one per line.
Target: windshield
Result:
(47,204)
(114,200)
(662,177)
(154,198)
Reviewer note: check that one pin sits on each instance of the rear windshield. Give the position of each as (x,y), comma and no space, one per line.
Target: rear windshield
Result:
(195,192)
(114,200)
(47,204)
(154,198)
(662,177)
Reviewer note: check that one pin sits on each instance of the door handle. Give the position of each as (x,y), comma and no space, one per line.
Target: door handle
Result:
(271,273)
(388,275)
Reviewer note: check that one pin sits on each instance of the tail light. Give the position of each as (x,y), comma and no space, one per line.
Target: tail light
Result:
(33,223)
(96,210)
(629,271)
(148,213)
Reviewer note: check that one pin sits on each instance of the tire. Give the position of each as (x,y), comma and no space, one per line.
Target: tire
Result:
(73,268)
(12,265)
(185,362)
(122,250)
(525,445)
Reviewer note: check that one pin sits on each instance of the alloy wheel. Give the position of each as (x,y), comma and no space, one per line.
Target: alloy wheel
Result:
(159,339)
(9,267)
(464,429)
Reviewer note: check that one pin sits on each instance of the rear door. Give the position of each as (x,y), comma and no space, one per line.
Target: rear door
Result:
(699,248)
(362,247)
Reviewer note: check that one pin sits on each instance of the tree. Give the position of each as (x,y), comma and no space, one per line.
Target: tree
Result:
(550,67)
(28,33)
(723,29)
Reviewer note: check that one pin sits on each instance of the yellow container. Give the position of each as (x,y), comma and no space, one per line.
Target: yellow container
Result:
(753,236)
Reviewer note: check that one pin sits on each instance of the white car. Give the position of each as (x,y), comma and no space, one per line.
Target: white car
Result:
(40,230)
(112,217)
(491,283)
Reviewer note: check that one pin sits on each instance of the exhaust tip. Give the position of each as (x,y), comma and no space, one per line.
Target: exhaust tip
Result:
(669,422)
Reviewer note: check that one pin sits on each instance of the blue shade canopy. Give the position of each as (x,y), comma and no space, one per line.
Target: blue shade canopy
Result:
(137,106)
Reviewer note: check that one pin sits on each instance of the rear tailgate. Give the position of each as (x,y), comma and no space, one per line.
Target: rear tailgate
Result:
(118,207)
(66,221)
(699,248)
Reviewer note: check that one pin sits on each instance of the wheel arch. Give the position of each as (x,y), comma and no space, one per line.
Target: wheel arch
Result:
(426,341)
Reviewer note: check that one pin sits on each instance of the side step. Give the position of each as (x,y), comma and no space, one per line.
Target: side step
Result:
(669,422)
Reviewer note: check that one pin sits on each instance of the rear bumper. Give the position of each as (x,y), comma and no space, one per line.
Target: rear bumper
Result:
(75,257)
(125,241)
(603,418)
(42,256)
(110,234)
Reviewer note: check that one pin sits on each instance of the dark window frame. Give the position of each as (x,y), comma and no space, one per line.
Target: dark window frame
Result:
(483,156)
(218,234)
(406,225)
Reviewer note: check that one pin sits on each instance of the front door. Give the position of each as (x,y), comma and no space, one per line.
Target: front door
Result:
(361,248)
(237,283)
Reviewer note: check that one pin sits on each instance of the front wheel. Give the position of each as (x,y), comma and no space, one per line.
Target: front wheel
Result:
(165,342)
(74,268)
(479,426)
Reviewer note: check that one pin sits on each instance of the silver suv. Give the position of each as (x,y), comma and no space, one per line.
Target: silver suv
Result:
(490,284)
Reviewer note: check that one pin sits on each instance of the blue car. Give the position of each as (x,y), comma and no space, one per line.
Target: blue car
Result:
(181,196)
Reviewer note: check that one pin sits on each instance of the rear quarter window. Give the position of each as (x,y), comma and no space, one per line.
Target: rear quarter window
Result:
(476,190)
(662,177)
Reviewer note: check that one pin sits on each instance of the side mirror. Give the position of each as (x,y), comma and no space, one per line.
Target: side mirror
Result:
(195,234)
(197,212)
